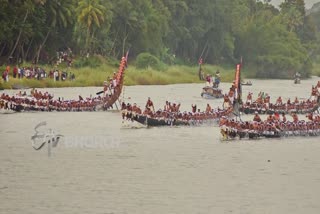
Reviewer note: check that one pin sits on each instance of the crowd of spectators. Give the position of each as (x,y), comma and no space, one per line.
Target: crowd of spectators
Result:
(36,73)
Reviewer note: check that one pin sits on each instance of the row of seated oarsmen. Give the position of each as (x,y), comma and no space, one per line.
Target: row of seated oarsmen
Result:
(186,116)
(39,95)
(231,128)
(26,103)
(265,98)
(168,107)
(299,107)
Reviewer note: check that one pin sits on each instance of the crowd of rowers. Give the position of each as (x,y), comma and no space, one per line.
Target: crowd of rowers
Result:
(275,125)
(112,84)
(39,101)
(172,111)
(263,105)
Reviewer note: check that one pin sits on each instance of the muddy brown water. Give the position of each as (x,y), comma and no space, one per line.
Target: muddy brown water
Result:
(102,166)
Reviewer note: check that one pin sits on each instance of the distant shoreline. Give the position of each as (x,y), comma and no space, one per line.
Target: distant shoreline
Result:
(94,77)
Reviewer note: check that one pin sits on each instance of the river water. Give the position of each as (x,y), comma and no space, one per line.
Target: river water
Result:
(102,166)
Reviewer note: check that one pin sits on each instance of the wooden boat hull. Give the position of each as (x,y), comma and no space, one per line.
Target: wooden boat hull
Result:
(297,81)
(210,96)
(20,87)
(152,122)
(272,111)
(234,135)
(249,135)
(211,93)
(104,104)
(156,122)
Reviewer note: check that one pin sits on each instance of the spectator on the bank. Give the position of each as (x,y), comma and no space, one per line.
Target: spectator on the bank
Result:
(34,72)
(15,71)
(5,76)
(63,76)
(27,73)
(8,69)
(37,73)
(56,75)
(72,77)
(69,62)
(19,73)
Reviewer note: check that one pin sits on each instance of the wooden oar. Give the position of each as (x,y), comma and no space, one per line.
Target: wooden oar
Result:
(100,92)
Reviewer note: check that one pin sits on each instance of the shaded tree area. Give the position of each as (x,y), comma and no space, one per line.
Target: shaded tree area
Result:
(275,43)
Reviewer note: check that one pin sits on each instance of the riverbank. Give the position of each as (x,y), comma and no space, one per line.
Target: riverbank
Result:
(87,76)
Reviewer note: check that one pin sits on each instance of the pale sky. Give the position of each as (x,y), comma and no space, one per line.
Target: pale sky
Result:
(308,3)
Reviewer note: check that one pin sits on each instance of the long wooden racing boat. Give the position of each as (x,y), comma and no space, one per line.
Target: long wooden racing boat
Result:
(152,122)
(247,83)
(179,119)
(31,103)
(299,109)
(231,129)
(252,110)
(118,88)
(211,93)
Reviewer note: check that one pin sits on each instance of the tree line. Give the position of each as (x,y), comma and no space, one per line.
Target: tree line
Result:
(275,42)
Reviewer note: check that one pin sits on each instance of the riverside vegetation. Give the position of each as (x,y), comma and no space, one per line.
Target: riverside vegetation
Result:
(95,75)
(273,42)
(95,70)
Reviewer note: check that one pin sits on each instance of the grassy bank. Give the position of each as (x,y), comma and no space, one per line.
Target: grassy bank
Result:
(95,76)
(316,69)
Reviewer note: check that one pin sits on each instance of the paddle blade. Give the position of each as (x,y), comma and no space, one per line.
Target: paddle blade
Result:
(100,92)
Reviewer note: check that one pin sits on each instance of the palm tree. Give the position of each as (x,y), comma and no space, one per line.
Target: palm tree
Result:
(29,6)
(90,13)
(293,18)
(59,13)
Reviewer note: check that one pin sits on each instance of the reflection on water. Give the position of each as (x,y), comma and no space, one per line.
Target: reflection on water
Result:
(111,169)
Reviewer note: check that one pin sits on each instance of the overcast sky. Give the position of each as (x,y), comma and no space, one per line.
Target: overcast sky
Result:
(309,3)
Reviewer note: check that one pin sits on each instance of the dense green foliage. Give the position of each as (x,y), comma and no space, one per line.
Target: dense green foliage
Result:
(145,60)
(275,43)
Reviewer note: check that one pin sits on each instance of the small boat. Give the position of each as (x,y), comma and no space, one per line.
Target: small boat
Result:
(297,78)
(248,83)
(297,81)
(230,134)
(211,93)
(20,87)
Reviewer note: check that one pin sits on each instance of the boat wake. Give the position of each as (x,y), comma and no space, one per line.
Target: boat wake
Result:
(126,124)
